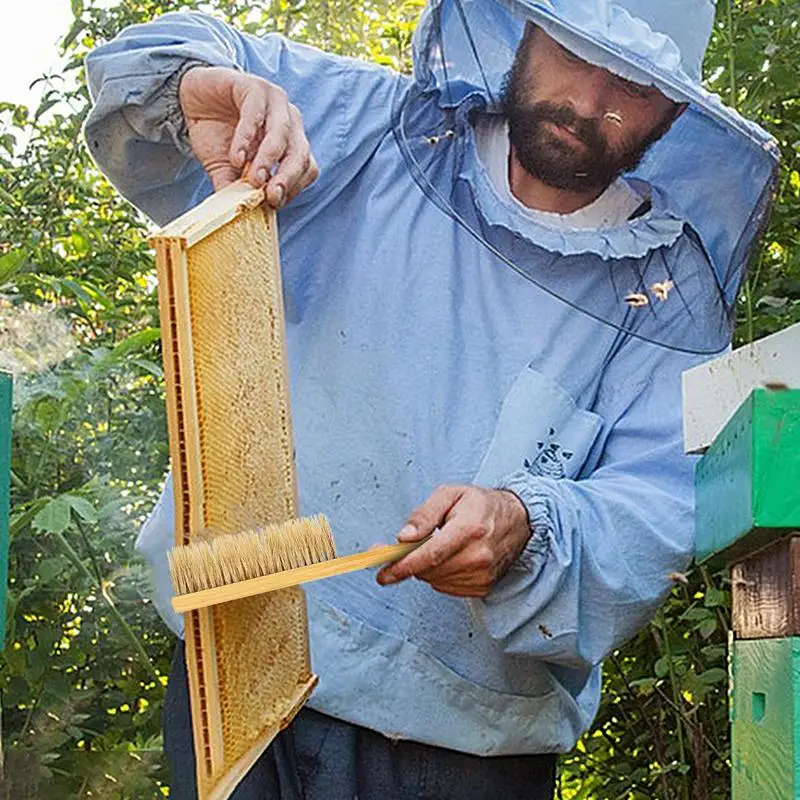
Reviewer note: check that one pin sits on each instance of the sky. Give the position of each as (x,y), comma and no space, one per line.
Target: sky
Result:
(30,45)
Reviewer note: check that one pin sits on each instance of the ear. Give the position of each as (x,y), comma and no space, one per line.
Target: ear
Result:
(669,120)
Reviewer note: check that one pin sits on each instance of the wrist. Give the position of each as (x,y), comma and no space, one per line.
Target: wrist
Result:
(174,113)
(540,522)
(520,520)
(185,81)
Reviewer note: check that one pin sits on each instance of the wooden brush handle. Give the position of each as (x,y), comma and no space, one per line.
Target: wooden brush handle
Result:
(294,577)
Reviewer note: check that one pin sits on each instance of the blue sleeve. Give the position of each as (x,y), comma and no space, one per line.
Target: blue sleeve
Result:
(598,563)
(134,130)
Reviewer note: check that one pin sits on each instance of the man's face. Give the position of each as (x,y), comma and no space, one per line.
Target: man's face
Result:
(575,126)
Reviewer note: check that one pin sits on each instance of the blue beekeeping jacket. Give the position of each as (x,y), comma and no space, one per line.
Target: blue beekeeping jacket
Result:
(417,357)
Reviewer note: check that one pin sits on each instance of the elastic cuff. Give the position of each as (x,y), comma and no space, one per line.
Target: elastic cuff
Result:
(174,120)
(522,484)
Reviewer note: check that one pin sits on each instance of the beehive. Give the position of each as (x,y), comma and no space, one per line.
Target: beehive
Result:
(233,468)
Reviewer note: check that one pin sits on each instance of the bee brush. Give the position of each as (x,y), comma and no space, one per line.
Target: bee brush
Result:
(232,566)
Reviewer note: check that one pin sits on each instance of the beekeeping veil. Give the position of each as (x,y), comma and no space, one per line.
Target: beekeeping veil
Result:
(709,178)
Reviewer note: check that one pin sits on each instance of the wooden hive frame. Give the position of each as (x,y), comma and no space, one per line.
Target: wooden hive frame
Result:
(232,456)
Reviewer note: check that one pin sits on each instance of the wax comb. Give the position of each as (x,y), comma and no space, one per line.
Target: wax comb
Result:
(226,568)
(231,449)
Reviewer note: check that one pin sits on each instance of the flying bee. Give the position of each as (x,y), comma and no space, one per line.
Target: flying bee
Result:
(661,290)
(637,299)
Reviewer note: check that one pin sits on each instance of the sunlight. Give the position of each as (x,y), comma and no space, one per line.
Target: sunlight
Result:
(31,50)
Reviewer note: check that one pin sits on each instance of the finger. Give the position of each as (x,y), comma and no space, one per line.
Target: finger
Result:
(221,174)
(310,175)
(461,590)
(277,130)
(249,130)
(474,563)
(295,167)
(448,541)
(425,519)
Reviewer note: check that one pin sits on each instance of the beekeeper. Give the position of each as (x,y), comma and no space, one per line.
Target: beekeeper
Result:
(495,271)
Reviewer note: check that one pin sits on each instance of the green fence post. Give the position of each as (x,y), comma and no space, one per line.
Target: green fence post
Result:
(5,492)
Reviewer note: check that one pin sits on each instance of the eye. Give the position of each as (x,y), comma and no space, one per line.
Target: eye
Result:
(635,90)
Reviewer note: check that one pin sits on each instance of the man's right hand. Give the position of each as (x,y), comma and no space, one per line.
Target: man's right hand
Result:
(234,119)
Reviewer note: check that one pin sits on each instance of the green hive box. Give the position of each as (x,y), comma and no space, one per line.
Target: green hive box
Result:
(765,719)
(5,481)
(748,482)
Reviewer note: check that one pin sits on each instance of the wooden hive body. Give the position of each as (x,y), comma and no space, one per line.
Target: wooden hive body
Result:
(232,457)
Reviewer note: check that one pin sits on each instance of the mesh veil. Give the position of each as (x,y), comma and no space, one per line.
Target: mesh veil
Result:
(677,292)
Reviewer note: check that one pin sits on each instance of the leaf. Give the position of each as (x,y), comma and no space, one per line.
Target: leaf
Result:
(662,667)
(772,302)
(697,614)
(45,106)
(8,142)
(54,517)
(112,508)
(77,290)
(149,366)
(644,685)
(713,676)
(716,597)
(707,627)
(82,507)
(76,28)
(134,342)
(9,198)
(10,264)
(49,569)
(21,519)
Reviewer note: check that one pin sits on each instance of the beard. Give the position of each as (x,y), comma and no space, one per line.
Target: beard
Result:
(590,164)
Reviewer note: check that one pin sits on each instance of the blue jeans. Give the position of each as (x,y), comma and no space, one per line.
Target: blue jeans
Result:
(321,758)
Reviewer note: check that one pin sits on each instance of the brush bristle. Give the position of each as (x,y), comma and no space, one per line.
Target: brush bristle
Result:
(234,557)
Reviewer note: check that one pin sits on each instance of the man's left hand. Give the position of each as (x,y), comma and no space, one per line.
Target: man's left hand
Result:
(480,533)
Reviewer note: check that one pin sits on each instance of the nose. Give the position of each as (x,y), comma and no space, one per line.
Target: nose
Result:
(589,93)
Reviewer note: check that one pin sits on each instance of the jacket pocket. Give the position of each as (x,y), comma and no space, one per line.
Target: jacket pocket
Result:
(539,429)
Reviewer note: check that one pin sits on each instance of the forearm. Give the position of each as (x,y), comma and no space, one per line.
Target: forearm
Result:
(596,567)
(603,544)
(136,131)
(136,128)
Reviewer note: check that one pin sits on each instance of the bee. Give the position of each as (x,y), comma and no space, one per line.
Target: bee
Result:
(678,577)
(637,299)
(661,290)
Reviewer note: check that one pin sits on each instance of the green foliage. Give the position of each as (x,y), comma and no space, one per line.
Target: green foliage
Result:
(662,728)
(752,65)
(83,672)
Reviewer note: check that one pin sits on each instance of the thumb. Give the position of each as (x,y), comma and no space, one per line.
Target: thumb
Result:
(431,514)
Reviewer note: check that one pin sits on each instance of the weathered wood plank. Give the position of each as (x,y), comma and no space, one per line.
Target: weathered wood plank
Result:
(714,390)
(766,592)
